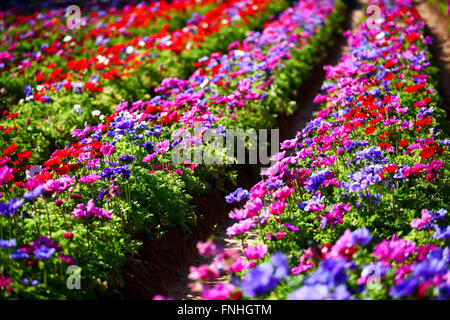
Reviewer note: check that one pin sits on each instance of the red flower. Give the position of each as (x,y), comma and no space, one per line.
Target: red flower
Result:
(427,152)
(10,149)
(384,145)
(390,168)
(369,130)
(25,155)
(403,143)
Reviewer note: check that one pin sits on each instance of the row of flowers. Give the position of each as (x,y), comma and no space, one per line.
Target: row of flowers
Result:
(118,180)
(355,206)
(58,101)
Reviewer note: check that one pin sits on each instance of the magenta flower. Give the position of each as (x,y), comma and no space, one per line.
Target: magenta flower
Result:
(90,178)
(277,208)
(283,193)
(84,156)
(398,250)
(220,292)
(240,227)
(256,252)
(162,147)
(5,174)
(420,222)
(149,157)
(203,272)
(240,265)
(90,211)
(107,149)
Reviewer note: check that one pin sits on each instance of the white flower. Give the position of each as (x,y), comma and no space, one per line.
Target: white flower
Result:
(96,113)
(67,38)
(129,50)
(77,108)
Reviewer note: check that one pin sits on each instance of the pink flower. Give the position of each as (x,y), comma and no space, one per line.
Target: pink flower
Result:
(252,207)
(240,227)
(160,297)
(288,144)
(277,208)
(258,191)
(90,178)
(5,174)
(162,147)
(240,265)
(220,292)
(238,214)
(209,248)
(84,156)
(283,193)
(340,246)
(420,222)
(203,272)
(107,149)
(149,157)
(90,211)
(395,249)
(256,252)
(68,235)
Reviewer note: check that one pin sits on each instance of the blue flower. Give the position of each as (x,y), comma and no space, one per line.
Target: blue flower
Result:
(43,252)
(441,233)
(360,236)
(265,277)
(330,273)
(236,196)
(316,292)
(126,158)
(101,194)
(19,254)
(259,281)
(9,208)
(8,244)
(404,287)
(317,179)
(276,184)
(34,193)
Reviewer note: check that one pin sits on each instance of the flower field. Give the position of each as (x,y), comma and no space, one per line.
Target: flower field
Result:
(354,206)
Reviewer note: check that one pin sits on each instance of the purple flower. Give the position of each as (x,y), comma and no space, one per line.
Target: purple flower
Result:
(317,179)
(404,288)
(126,158)
(265,277)
(8,244)
(101,194)
(315,292)
(330,273)
(237,196)
(34,193)
(9,208)
(291,227)
(19,254)
(360,236)
(44,252)
(441,233)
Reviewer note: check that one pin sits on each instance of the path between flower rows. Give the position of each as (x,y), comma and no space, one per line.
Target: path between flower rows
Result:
(306,107)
